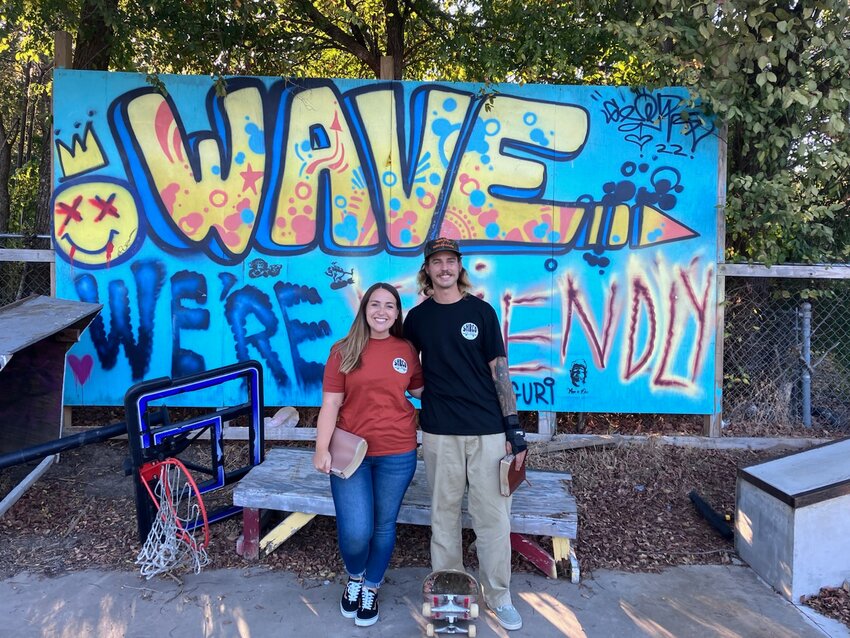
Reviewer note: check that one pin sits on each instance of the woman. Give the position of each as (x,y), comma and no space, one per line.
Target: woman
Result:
(365,380)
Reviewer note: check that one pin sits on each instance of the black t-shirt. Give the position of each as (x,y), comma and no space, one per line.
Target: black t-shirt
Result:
(457,342)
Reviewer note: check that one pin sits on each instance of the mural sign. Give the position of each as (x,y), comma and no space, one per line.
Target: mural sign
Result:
(217,227)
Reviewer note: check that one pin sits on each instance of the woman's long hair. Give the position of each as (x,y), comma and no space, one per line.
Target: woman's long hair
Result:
(426,285)
(351,346)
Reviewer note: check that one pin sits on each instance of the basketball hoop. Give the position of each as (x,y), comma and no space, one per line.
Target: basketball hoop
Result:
(180,532)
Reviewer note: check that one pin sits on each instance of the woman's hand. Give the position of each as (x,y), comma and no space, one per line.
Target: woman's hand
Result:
(322,461)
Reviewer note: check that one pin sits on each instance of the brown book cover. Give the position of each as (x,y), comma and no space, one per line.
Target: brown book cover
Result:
(510,477)
(347,452)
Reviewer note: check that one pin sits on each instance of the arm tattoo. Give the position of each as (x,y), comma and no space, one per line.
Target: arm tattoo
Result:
(504,388)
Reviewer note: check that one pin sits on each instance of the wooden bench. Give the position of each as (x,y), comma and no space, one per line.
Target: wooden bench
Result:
(286,481)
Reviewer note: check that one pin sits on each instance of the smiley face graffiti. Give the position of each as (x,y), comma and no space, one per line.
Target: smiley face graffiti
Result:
(95,223)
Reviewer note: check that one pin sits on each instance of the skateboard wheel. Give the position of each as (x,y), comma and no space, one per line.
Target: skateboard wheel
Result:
(473,610)
(429,629)
(470,631)
(426,609)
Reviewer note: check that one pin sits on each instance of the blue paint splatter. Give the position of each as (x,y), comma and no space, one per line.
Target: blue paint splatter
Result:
(405,236)
(395,203)
(434,179)
(492,230)
(442,128)
(477,198)
(215,170)
(537,135)
(595,261)
(420,192)
(240,157)
(540,230)
(485,159)
(478,140)
(347,229)
(247,216)
(450,104)
(305,146)
(255,138)
(654,234)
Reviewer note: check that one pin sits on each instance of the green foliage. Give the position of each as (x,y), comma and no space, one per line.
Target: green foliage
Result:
(778,75)
(23,191)
(541,41)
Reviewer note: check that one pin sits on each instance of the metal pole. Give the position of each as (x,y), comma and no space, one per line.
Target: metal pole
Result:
(806,356)
(95,435)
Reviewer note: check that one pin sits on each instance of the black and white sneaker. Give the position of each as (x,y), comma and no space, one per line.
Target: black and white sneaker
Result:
(350,601)
(367,613)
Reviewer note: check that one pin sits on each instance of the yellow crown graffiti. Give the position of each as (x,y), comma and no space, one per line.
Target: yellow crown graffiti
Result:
(83,156)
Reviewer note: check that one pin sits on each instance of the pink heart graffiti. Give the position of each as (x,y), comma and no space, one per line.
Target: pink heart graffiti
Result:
(81,367)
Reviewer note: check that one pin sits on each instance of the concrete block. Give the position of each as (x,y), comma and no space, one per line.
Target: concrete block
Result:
(792,516)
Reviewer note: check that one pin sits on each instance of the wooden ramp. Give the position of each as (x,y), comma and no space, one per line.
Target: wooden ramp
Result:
(286,481)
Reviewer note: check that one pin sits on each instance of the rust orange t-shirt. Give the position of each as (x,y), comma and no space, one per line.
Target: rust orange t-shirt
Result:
(375,406)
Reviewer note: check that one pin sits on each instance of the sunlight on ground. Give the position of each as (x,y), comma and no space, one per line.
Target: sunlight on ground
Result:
(649,627)
(309,606)
(559,615)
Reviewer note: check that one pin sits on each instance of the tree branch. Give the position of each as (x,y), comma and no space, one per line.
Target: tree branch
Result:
(346,41)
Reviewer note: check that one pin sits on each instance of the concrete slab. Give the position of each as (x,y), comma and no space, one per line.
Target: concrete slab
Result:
(256,602)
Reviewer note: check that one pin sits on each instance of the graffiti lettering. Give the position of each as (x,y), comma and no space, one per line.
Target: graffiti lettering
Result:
(193,286)
(535,393)
(149,277)
(585,213)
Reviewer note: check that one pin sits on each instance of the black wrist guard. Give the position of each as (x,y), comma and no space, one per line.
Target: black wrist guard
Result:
(516,437)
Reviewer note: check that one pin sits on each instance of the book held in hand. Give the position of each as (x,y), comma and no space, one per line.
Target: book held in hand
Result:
(510,477)
(347,452)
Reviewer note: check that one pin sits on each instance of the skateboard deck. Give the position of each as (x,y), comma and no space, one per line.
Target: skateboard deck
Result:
(450,602)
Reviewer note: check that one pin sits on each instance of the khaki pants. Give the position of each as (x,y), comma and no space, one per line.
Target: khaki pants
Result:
(452,463)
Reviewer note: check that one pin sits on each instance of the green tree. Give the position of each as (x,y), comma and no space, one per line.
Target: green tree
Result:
(778,75)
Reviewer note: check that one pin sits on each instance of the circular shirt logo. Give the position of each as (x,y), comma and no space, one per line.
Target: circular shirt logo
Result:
(400,365)
(469,331)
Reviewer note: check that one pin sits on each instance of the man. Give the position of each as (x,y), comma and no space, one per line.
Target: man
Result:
(468,419)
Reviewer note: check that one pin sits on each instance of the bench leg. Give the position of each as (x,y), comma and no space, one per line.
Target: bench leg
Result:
(565,556)
(284,531)
(247,545)
(538,556)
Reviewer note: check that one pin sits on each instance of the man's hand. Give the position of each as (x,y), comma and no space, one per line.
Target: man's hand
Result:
(515,439)
(520,459)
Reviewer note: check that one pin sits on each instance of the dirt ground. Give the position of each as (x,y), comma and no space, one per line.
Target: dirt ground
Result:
(634,509)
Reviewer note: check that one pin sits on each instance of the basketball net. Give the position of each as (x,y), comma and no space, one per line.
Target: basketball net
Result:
(180,533)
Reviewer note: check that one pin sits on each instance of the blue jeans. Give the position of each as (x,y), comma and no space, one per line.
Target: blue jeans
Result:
(367,505)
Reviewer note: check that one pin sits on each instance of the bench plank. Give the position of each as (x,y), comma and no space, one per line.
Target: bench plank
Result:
(286,481)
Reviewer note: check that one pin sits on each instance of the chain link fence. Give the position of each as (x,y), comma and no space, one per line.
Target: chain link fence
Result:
(22,277)
(786,354)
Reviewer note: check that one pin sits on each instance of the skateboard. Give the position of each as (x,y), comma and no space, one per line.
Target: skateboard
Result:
(450,602)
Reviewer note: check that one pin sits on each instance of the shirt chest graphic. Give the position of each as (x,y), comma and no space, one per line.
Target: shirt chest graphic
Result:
(469,331)
(400,365)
